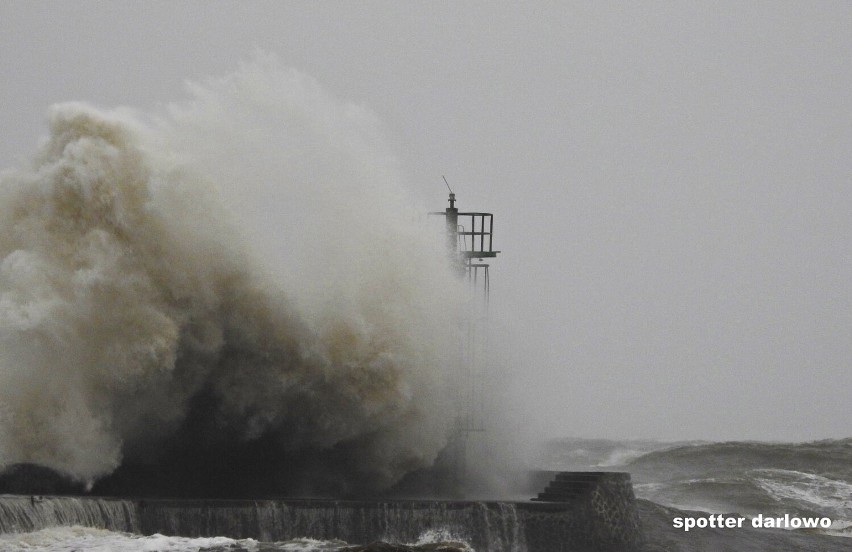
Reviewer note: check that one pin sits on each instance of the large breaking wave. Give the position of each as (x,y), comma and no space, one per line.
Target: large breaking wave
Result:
(235,285)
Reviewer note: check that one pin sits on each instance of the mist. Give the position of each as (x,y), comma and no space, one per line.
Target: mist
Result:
(238,286)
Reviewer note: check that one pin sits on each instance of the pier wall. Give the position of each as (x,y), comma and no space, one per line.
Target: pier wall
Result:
(576,513)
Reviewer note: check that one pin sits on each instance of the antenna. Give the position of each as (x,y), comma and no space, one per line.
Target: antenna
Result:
(447,183)
(452,205)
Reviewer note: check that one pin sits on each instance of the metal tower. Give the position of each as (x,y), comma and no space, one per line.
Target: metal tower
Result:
(470,242)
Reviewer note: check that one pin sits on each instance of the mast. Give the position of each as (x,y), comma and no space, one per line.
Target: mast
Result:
(470,238)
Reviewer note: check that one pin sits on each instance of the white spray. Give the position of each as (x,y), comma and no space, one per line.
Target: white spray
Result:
(252,244)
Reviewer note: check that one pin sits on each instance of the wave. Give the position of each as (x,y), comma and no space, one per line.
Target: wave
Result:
(579,453)
(659,535)
(806,491)
(215,296)
(828,458)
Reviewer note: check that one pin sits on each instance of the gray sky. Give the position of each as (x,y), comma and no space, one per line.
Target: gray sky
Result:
(671,181)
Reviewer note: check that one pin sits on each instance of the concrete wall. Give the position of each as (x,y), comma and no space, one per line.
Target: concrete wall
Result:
(577,512)
(595,512)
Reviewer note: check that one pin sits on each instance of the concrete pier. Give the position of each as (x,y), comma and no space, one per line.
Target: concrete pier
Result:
(576,512)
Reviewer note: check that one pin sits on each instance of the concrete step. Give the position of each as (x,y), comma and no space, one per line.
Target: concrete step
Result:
(569,486)
(578,476)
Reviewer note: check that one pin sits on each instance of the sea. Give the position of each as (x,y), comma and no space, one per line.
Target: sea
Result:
(671,480)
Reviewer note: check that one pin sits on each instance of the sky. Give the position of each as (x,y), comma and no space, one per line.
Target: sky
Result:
(670,181)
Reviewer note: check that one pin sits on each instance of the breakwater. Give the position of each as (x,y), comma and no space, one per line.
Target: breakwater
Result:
(577,513)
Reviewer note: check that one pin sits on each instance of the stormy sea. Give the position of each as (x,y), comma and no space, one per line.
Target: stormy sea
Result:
(695,479)
(218,299)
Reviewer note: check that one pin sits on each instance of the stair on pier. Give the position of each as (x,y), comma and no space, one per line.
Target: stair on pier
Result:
(570,486)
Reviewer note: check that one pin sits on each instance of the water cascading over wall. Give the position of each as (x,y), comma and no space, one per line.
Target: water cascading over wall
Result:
(494,526)
(20,514)
(597,516)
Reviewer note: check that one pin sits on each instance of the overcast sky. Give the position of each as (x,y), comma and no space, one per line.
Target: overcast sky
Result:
(670,181)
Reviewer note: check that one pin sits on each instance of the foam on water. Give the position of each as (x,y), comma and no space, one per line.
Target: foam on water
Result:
(67,539)
(812,492)
(807,489)
(307,545)
(75,538)
(440,535)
